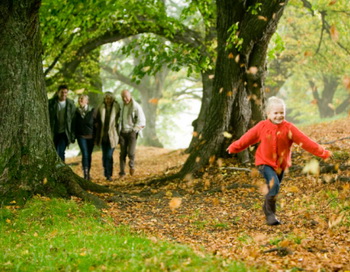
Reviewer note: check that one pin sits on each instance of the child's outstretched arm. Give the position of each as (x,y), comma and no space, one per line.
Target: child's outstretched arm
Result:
(307,144)
(249,138)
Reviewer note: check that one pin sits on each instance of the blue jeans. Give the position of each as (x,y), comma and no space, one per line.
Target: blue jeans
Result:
(61,142)
(270,174)
(86,146)
(107,159)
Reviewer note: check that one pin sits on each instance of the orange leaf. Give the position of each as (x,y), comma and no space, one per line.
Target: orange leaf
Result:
(255,173)
(263,18)
(334,33)
(307,53)
(346,82)
(153,101)
(253,70)
(175,203)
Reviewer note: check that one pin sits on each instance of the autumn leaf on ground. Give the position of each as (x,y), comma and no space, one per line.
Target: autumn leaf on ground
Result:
(219,162)
(175,203)
(212,159)
(260,237)
(254,173)
(335,220)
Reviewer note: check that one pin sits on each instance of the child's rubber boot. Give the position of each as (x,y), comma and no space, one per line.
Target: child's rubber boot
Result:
(269,208)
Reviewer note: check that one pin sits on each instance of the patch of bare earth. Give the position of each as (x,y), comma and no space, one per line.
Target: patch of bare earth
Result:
(219,212)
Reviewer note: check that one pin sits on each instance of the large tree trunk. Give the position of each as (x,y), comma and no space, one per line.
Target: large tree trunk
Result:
(150,98)
(198,124)
(325,100)
(28,161)
(239,77)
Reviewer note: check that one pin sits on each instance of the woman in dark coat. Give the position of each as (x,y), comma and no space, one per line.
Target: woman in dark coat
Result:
(84,131)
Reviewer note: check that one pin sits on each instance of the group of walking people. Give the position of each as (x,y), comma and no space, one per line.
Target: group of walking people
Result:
(106,126)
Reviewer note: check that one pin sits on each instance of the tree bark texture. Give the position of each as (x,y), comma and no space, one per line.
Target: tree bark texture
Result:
(238,89)
(150,97)
(198,124)
(28,161)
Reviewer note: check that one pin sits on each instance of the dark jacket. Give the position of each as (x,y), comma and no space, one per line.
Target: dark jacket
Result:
(70,118)
(84,126)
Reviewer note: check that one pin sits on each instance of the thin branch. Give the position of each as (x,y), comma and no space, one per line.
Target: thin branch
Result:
(120,77)
(321,36)
(331,142)
(238,169)
(325,25)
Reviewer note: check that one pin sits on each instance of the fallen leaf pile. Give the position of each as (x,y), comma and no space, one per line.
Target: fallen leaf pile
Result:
(220,211)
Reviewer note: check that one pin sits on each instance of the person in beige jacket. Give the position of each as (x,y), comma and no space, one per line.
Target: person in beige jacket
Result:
(106,124)
(132,122)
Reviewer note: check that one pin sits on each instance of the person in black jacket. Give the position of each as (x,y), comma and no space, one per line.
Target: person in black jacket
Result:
(84,131)
(62,114)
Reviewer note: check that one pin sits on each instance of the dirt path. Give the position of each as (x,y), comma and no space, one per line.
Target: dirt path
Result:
(220,212)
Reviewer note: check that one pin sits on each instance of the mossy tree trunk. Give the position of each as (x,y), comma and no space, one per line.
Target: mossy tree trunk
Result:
(238,88)
(29,164)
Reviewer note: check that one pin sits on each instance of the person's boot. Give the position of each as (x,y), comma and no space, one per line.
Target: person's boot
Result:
(269,209)
(86,173)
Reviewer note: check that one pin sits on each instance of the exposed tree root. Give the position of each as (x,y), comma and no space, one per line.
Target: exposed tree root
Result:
(281,251)
(77,186)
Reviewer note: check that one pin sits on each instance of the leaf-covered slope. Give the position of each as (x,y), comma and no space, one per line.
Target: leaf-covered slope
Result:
(220,211)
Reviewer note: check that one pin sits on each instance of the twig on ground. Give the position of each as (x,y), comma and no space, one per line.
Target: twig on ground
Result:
(331,142)
(281,251)
(238,169)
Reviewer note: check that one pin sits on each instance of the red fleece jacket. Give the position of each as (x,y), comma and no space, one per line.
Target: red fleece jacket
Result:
(275,144)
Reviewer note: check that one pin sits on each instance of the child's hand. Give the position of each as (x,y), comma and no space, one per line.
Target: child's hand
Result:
(228,150)
(330,155)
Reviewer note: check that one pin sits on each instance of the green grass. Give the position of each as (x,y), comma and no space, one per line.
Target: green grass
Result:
(59,235)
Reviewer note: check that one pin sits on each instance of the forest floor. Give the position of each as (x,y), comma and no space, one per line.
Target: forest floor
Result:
(220,211)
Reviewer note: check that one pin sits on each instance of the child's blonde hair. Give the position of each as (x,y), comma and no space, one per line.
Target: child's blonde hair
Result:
(273,100)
